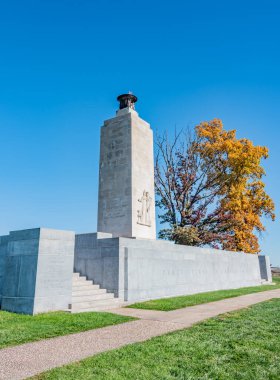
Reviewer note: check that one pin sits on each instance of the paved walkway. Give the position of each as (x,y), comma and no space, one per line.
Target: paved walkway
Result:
(29,359)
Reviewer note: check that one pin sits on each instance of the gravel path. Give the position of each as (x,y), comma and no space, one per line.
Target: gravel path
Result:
(29,359)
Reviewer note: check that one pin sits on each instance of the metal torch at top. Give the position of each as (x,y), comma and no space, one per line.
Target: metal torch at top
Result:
(127,100)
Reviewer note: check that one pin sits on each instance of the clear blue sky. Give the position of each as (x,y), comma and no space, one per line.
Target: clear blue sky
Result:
(63,62)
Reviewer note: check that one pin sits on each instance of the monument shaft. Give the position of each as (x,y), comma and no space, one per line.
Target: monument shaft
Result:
(126,201)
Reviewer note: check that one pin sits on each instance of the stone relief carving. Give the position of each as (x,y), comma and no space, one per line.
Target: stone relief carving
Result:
(144,214)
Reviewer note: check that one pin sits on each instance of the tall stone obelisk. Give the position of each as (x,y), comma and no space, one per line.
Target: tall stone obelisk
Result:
(126,199)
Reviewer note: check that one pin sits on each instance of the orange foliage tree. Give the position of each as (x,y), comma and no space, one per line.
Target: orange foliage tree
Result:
(243,193)
(210,188)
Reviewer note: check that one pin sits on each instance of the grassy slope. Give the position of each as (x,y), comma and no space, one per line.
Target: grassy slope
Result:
(18,328)
(173,303)
(243,345)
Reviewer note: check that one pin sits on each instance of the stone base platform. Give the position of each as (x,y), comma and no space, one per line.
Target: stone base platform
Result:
(36,268)
(37,265)
(139,269)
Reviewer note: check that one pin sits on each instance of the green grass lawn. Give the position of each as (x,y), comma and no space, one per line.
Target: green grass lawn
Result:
(243,345)
(18,328)
(173,303)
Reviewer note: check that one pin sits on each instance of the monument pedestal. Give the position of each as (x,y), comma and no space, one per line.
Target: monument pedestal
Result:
(38,269)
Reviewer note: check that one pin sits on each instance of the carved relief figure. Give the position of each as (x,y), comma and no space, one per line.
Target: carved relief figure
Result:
(144,215)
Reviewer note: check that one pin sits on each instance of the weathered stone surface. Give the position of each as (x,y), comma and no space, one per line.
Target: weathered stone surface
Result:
(126,204)
(3,254)
(139,269)
(265,269)
(38,271)
(156,273)
(98,259)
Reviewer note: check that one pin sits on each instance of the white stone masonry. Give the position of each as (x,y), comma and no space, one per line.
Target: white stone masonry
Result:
(126,202)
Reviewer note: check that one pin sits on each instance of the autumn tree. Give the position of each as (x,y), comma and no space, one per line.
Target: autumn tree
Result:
(209,188)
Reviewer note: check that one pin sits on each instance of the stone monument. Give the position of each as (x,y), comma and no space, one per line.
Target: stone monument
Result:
(123,261)
(126,200)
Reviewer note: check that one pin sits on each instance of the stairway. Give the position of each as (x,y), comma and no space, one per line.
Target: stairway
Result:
(87,296)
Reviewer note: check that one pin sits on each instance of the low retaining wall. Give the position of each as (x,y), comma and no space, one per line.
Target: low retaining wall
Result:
(157,273)
(137,269)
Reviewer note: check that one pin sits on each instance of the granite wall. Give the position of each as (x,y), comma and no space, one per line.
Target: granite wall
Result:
(137,269)
(3,254)
(265,268)
(126,200)
(38,271)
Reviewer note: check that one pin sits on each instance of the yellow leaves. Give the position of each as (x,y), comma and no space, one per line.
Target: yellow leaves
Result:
(238,162)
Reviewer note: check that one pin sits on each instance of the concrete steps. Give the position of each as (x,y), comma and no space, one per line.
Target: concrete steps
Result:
(92,297)
(85,286)
(87,296)
(87,292)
